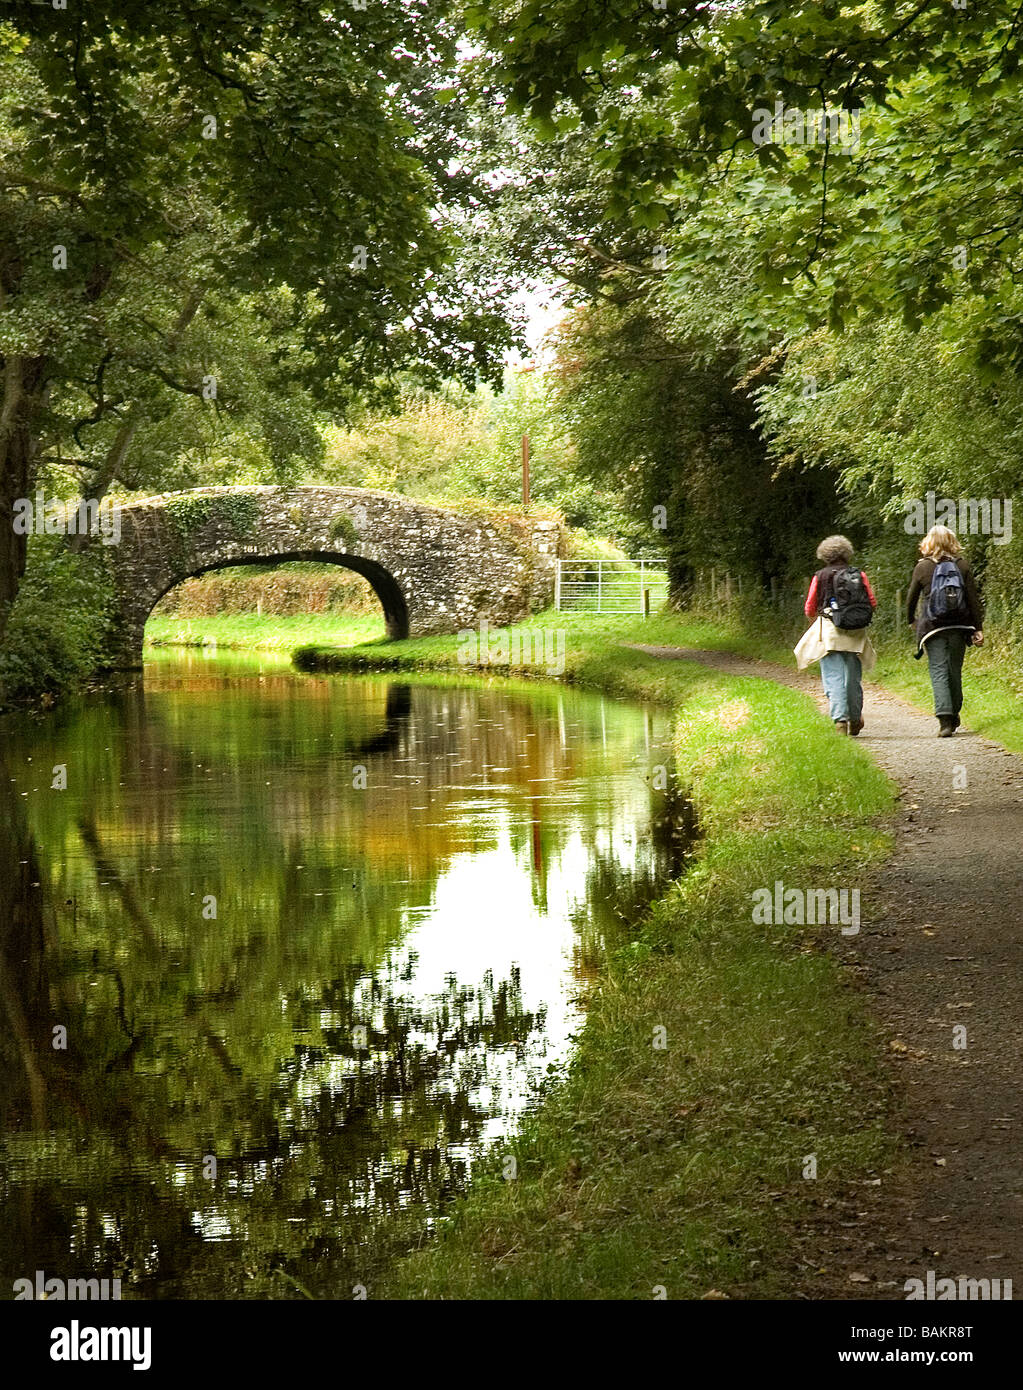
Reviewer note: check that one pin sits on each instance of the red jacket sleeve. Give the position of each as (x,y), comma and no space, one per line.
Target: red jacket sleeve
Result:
(810,606)
(870,592)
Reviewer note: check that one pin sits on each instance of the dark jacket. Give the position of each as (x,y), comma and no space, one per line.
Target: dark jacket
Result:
(920,590)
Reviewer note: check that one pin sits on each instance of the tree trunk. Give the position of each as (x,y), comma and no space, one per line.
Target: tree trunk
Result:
(22,401)
(97,489)
(110,470)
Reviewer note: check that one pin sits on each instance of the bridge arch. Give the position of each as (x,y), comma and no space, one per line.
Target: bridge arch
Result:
(380,580)
(434,569)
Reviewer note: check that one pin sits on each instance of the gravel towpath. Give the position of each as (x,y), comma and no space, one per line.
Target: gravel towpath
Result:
(941,946)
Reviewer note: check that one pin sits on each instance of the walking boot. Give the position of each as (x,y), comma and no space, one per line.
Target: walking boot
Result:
(841,726)
(946,725)
(854,727)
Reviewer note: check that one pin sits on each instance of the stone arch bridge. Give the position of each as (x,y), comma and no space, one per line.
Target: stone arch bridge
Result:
(433,569)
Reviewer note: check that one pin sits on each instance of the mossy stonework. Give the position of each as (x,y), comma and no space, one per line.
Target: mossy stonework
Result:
(433,570)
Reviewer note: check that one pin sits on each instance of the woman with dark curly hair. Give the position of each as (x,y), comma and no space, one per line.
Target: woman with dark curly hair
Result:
(842,602)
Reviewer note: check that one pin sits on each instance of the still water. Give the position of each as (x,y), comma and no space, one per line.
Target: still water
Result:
(288,953)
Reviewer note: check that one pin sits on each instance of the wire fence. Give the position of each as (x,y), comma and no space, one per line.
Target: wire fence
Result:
(641,586)
(718,589)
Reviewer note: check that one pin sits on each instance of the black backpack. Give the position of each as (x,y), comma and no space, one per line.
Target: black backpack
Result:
(849,606)
(946,603)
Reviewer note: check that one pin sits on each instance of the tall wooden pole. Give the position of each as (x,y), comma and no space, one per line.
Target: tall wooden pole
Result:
(525,472)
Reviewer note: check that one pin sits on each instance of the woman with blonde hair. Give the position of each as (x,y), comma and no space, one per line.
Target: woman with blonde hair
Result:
(951,618)
(842,603)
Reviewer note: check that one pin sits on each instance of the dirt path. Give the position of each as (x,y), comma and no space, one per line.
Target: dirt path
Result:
(942,945)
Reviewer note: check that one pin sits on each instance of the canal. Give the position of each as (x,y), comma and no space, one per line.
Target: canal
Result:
(284,955)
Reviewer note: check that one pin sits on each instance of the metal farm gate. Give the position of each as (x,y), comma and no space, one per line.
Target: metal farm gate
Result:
(611,586)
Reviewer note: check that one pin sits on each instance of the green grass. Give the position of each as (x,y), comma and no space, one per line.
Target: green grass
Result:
(992,674)
(268,632)
(588,637)
(992,687)
(682,1167)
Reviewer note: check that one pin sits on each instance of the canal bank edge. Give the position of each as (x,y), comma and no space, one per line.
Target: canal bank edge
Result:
(727,1101)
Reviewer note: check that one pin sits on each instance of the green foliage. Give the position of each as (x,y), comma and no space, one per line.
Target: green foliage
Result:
(58,634)
(492,467)
(342,529)
(241,510)
(188,514)
(296,588)
(322,143)
(457,447)
(213,233)
(238,510)
(901,411)
(668,99)
(667,420)
(827,333)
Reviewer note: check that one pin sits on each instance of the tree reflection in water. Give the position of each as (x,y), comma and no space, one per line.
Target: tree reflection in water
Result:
(296,1037)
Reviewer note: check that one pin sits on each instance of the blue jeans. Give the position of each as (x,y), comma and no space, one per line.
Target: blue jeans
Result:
(840,676)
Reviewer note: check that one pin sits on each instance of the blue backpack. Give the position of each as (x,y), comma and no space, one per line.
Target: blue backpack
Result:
(946,602)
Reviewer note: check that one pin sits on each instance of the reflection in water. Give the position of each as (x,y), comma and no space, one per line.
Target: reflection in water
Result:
(313,943)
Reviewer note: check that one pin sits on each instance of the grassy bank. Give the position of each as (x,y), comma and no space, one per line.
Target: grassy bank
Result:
(269,632)
(992,674)
(682,1166)
(588,638)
